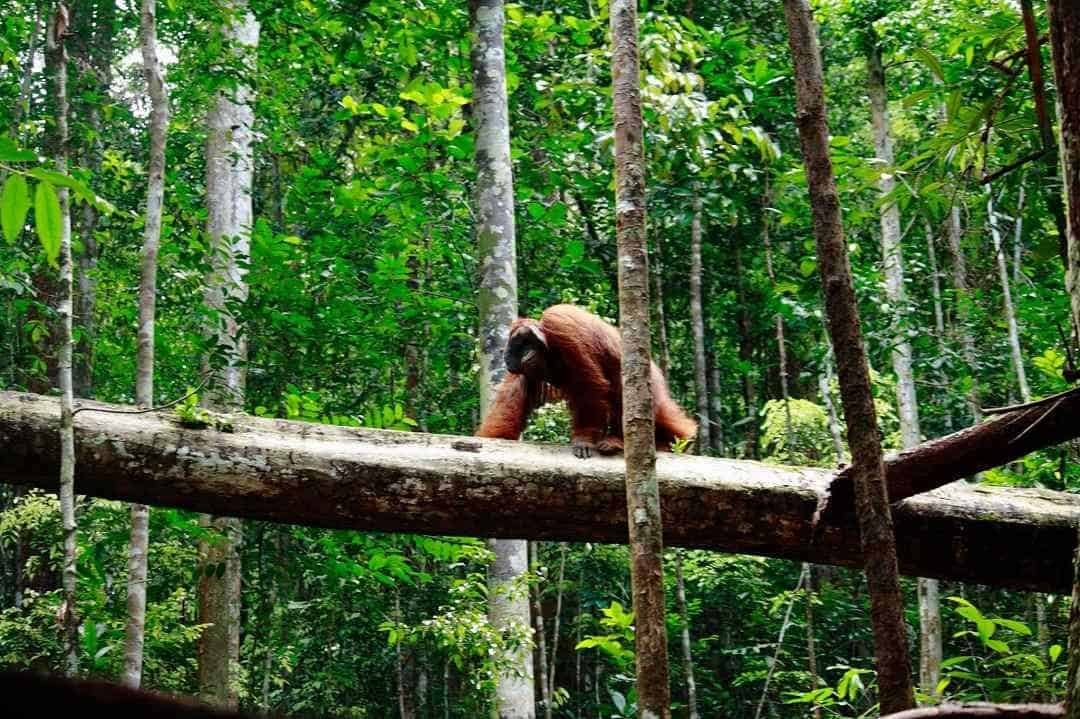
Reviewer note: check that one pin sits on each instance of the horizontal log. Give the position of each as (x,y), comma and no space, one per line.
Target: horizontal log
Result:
(319,475)
(982,710)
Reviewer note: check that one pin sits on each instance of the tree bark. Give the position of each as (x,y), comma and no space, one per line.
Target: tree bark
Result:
(144,382)
(906,397)
(963,311)
(1065,46)
(1006,295)
(495,237)
(872,501)
(1049,159)
(229,223)
(746,355)
(58,60)
(778,319)
(688,655)
(541,640)
(642,493)
(716,408)
(309,474)
(697,322)
(664,360)
(556,624)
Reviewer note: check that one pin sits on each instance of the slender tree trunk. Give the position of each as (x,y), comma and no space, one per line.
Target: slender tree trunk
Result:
(1006,294)
(872,503)
(906,397)
(1065,44)
(228,190)
(697,321)
(684,618)
(494,210)
(406,669)
(58,60)
(746,356)
(824,384)
(642,493)
(716,408)
(22,107)
(1049,160)
(781,342)
(939,314)
(661,316)
(779,645)
(558,616)
(811,649)
(144,382)
(963,311)
(541,641)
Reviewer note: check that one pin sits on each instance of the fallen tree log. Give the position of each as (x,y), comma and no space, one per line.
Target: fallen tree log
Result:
(363,479)
(982,710)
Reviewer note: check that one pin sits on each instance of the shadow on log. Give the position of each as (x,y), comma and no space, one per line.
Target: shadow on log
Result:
(374,480)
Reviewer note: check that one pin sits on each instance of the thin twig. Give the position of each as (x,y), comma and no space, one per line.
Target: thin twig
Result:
(149,409)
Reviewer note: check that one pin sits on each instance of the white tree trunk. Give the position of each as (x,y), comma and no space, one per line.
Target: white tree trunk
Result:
(906,397)
(229,170)
(495,237)
(144,381)
(1006,295)
(59,60)
(688,655)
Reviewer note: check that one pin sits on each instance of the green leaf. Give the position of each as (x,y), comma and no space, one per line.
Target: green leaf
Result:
(47,220)
(14,205)
(1018,627)
(10,152)
(1055,652)
(927,58)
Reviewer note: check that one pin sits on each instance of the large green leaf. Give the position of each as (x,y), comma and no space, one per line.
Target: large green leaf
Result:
(14,204)
(47,220)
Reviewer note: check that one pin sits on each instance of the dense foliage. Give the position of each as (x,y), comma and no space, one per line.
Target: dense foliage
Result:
(362,311)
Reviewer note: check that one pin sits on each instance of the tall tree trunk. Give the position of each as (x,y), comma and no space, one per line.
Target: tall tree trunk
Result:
(556,624)
(228,194)
(541,640)
(906,398)
(1006,295)
(684,619)
(406,669)
(779,644)
(746,356)
(824,386)
(144,381)
(58,71)
(661,315)
(963,311)
(1049,160)
(778,320)
(811,649)
(697,321)
(716,408)
(872,502)
(95,54)
(1072,683)
(22,107)
(939,314)
(642,493)
(1065,45)
(494,210)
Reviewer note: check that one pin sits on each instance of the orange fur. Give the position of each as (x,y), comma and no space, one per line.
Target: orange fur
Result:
(584,366)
